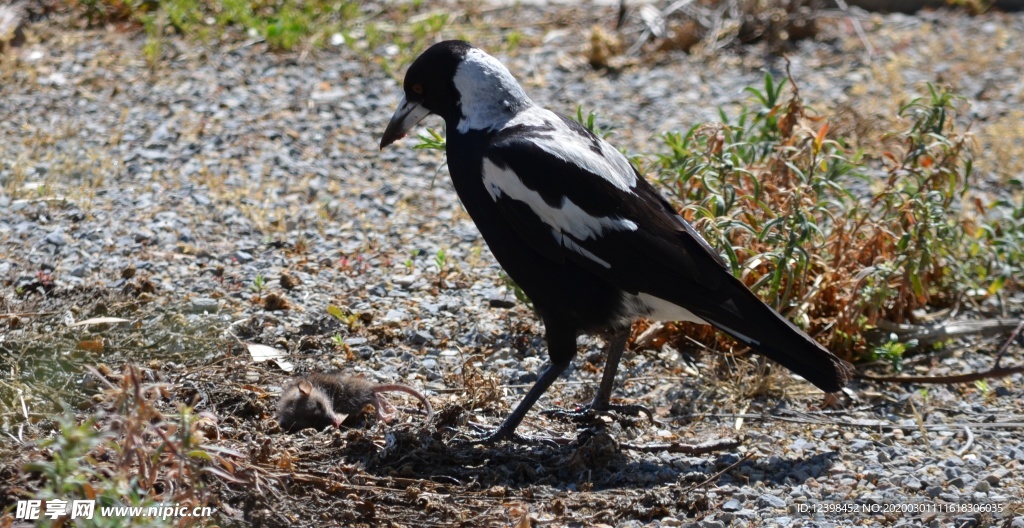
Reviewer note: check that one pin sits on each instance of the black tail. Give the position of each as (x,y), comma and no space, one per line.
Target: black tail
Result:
(743,316)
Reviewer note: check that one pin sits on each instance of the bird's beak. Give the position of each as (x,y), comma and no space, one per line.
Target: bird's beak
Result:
(406,116)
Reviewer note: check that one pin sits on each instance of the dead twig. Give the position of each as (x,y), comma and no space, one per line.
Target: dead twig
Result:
(993,373)
(712,478)
(687,449)
(23,314)
(1006,345)
(928,334)
(811,419)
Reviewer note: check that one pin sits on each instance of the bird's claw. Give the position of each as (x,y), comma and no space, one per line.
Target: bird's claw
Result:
(589,412)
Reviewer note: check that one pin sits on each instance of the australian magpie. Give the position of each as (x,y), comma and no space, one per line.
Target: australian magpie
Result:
(588,239)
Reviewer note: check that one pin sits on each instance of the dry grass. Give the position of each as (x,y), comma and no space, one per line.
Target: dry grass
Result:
(130,453)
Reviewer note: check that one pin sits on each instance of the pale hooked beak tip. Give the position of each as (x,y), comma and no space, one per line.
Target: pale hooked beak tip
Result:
(407,115)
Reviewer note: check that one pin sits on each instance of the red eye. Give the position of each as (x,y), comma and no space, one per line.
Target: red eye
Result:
(418,88)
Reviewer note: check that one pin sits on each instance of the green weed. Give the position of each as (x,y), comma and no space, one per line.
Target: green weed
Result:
(834,238)
(152,50)
(892,351)
(441,259)
(517,291)
(259,284)
(350,318)
(590,123)
(432,140)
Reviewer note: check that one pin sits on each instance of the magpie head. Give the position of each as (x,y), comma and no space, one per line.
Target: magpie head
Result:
(468,88)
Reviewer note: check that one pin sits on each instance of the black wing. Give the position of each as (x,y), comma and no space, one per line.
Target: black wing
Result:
(575,198)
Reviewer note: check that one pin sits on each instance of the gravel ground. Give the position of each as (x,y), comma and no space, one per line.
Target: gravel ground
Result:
(166,196)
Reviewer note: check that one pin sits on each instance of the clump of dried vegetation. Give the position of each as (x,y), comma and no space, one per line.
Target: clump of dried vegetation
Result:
(129,453)
(836,238)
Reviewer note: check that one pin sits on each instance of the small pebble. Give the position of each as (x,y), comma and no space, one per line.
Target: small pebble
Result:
(203,305)
(770,501)
(56,238)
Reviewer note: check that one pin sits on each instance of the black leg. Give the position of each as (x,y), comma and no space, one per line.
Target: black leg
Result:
(561,349)
(614,349)
(507,430)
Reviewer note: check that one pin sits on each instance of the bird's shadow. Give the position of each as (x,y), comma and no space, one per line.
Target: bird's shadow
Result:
(595,461)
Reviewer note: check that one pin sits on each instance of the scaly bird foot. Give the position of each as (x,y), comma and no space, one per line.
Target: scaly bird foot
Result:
(587,413)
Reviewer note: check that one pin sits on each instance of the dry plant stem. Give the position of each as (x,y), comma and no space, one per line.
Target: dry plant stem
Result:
(712,478)
(23,314)
(1006,345)
(689,449)
(993,373)
(920,426)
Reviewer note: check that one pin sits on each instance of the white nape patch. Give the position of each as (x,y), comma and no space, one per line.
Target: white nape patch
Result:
(569,219)
(489,93)
(568,145)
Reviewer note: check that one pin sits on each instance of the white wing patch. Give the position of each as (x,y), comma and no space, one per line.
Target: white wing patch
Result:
(568,220)
(567,144)
(658,309)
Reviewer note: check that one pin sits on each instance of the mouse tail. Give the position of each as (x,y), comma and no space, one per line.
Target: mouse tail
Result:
(396,387)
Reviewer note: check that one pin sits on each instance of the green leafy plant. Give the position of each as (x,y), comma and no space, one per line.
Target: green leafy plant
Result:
(152,50)
(517,291)
(283,24)
(441,259)
(590,123)
(259,284)
(125,455)
(432,140)
(772,191)
(892,351)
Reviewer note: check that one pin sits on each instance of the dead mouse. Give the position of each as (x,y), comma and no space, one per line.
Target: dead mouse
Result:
(322,400)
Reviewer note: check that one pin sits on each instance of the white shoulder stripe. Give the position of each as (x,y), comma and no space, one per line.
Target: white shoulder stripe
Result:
(567,145)
(569,218)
